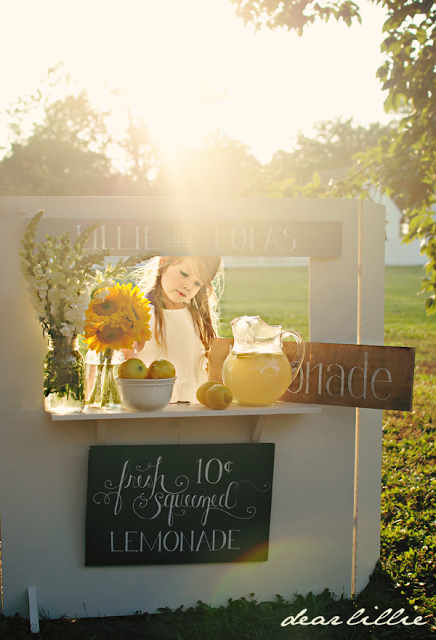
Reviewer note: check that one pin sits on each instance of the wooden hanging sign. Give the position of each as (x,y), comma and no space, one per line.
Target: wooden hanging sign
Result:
(194,237)
(345,375)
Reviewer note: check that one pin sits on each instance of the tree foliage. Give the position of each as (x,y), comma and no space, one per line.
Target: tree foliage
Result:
(214,166)
(326,156)
(64,154)
(42,166)
(332,146)
(62,145)
(403,163)
(294,14)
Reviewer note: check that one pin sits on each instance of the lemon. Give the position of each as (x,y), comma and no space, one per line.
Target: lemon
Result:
(161,369)
(201,391)
(133,368)
(219,397)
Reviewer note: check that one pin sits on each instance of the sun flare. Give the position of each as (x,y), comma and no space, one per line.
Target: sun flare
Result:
(187,68)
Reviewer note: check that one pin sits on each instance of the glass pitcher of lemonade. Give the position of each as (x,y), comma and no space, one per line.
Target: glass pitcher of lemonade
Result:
(256,370)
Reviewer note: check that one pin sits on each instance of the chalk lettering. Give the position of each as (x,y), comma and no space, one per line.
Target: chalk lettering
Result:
(172,541)
(176,538)
(112,544)
(177,502)
(128,541)
(189,543)
(158,541)
(223,536)
(202,539)
(231,538)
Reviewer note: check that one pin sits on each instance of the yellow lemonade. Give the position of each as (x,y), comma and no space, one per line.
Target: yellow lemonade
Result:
(257,378)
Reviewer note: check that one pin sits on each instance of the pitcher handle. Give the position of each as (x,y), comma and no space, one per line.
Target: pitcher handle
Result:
(298,361)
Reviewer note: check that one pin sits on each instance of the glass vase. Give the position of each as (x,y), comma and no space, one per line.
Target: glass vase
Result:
(101,389)
(64,376)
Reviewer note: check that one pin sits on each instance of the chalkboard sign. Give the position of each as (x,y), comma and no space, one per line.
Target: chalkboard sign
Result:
(178,504)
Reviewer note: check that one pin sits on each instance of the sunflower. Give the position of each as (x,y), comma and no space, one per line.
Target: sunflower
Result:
(108,337)
(140,312)
(107,305)
(106,308)
(116,318)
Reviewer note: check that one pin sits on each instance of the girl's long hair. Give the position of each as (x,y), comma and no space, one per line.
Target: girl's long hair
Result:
(204,307)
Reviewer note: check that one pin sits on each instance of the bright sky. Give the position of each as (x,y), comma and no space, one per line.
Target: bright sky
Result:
(164,52)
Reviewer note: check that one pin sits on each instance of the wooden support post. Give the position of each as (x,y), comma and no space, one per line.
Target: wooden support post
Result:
(179,431)
(33,610)
(357,428)
(257,424)
(101,432)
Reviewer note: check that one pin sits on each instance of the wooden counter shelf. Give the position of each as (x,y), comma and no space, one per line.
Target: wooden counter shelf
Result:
(257,415)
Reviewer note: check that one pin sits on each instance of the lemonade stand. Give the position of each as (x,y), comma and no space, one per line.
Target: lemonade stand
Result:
(299,457)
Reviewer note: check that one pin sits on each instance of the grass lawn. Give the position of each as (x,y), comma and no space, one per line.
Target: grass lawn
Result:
(406,575)
(278,295)
(261,292)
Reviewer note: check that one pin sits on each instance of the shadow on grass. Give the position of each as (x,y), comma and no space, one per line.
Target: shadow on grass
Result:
(247,619)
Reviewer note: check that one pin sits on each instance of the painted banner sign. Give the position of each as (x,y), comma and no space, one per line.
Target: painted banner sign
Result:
(345,375)
(206,237)
(178,504)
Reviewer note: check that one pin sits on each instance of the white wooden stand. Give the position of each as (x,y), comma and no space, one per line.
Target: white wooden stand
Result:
(258,416)
(43,461)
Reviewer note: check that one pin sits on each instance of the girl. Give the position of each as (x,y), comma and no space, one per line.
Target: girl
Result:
(184,317)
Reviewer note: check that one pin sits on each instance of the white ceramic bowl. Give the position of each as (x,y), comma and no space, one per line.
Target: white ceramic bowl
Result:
(145,395)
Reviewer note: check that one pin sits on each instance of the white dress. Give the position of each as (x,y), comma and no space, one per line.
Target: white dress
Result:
(183,348)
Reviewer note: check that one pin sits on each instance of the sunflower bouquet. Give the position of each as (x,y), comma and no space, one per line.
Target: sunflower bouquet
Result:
(116,318)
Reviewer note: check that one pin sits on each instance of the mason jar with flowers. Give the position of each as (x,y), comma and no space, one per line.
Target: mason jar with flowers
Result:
(61,277)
